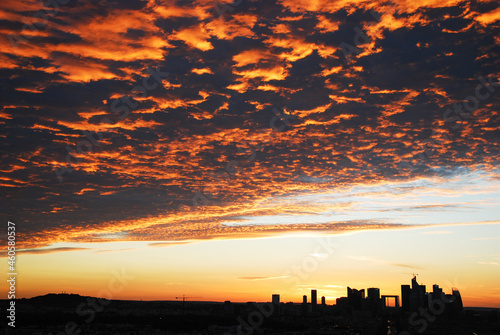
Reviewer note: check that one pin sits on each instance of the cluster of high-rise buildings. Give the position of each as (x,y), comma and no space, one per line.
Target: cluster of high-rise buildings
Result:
(413,298)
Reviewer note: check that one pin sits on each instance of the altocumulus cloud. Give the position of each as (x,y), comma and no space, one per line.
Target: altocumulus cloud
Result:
(355,120)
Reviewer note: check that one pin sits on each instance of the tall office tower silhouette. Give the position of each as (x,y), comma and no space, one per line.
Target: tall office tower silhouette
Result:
(314,300)
(436,292)
(355,297)
(323,301)
(405,298)
(304,299)
(276,299)
(417,295)
(374,299)
(374,293)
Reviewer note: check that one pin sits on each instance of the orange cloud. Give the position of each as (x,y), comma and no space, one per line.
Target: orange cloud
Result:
(196,37)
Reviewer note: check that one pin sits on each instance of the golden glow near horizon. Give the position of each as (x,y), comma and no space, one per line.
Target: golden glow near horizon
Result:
(253,269)
(208,152)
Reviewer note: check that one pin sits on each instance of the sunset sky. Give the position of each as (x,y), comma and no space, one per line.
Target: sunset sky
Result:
(235,150)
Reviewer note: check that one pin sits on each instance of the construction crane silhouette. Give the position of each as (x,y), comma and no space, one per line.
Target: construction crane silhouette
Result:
(184,302)
(413,274)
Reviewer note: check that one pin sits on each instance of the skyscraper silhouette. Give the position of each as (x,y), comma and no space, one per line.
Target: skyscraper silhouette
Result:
(417,295)
(314,300)
(355,297)
(374,299)
(405,298)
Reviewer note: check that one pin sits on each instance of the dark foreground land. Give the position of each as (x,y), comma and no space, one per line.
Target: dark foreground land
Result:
(71,314)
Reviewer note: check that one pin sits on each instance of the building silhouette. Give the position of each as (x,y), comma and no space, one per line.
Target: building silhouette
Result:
(304,307)
(417,295)
(276,299)
(276,304)
(355,298)
(436,291)
(405,298)
(374,301)
(314,300)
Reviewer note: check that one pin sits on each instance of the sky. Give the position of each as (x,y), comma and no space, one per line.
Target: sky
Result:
(234,150)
